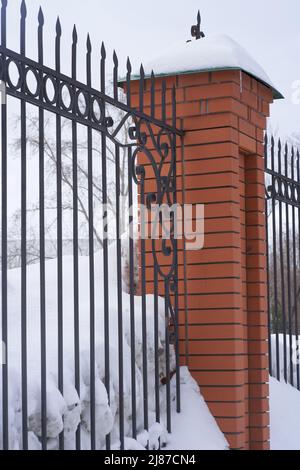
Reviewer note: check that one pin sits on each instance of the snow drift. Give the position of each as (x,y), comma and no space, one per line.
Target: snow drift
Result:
(66,411)
(284,416)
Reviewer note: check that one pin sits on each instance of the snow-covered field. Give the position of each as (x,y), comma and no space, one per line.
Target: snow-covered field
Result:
(65,412)
(284,416)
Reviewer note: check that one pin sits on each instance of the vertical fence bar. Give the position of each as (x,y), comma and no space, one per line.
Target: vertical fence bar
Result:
(143,268)
(131,266)
(75,240)
(24,241)
(167,352)
(155,282)
(105,241)
(167,293)
(289,287)
(42,245)
(298,283)
(91,260)
(274,230)
(152,95)
(174,153)
(119,270)
(266,156)
(163,100)
(283,304)
(5,424)
(60,364)
(295,309)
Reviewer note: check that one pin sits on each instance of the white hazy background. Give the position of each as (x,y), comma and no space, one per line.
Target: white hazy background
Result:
(268,29)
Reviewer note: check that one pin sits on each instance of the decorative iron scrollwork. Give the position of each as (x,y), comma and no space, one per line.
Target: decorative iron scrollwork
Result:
(283,189)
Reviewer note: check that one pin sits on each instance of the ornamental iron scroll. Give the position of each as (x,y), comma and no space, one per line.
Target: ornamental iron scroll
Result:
(282,166)
(282,188)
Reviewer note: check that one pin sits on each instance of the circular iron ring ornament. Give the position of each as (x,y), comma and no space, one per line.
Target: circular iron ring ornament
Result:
(48,79)
(286,190)
(37,77)
(101,110)
(9,79)
(86,102)
(65,86)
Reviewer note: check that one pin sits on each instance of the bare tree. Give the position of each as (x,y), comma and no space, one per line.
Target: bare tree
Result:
(33,146)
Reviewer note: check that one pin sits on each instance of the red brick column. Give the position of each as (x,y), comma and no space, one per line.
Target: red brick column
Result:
(223,115)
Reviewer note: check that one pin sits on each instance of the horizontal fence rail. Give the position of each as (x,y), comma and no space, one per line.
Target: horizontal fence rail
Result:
(283,240)
(90,348)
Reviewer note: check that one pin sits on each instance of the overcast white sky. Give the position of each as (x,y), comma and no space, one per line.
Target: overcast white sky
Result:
(268,29)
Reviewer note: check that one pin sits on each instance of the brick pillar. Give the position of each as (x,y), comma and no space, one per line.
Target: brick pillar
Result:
(223,115)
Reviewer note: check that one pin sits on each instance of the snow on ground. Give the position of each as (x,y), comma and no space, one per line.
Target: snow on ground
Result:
(278,350)
(284,416)
(194,428)
(65,411)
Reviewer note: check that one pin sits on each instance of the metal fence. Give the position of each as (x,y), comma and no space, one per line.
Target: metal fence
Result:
(283,241)
(67,326)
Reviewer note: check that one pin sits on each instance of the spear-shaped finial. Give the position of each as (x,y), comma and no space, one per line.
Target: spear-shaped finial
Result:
(58,27)
(23,9)
(41,17)
(142,72)
(115,59)
(74,35)
(103,51)
(196,29)
(128,65)
(88,44)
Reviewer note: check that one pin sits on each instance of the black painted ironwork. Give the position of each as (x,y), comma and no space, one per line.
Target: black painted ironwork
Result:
(196,29)
(141,136)
(282,170)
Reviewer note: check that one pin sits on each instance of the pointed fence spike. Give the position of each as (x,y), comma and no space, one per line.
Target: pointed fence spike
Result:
(103,51)
(142,72)
(23,9)
(88,44)
(58,27)
(115,59)
(129,68)
(266,139)
(293,156)
(74,35)
(41,17)
(4,3)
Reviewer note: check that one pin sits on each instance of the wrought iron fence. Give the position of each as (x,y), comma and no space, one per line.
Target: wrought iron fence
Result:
(87,365)
(283,242)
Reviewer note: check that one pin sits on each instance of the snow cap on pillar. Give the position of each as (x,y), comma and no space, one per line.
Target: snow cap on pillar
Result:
(217,52)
